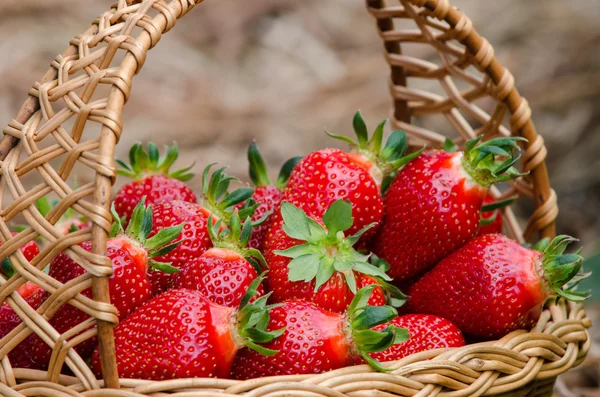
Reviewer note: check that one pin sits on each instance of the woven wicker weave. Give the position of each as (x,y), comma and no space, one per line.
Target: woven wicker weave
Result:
(86,89)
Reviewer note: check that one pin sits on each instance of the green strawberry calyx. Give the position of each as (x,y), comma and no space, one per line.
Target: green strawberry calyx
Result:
(480,160)
(252,320)
(143,164)
(393,296)
(326,249)
(219,201)
(236,238)
(493,209)
(388,159)
(361,318)
(258,169)
(139,229)
(562,272)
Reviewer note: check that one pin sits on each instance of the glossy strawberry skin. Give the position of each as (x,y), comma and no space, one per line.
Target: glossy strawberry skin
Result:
(178,334)
(29,250)
(221,275)
(20,356)
(487,288)
(496,225)
(195,239)
(327,175)
(313,342)
(156,188)
(334,295)
(268,198)
(129,288)
(427,332)
(431,209)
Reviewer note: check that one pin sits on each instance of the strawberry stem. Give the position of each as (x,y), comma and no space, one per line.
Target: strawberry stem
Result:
(326,250)
(560,269)
(218,200)
(139,229)
(142,163)
(499,204)
(235,238)
(393,296)
(258,169)
(480,160)
(362,318)
(253,320)
(389,159)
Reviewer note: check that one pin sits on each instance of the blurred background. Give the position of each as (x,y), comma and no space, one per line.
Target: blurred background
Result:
(279,71)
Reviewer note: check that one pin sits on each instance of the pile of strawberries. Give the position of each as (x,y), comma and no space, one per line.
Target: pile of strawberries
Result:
(305,275)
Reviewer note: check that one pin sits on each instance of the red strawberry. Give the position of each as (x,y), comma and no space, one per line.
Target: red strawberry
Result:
(224,274)
(131,253)
(182,334)
(491,216)
(20,356)
(152,179)
(433,206)
(493,285)
(195,239)
(426,332)
(30,250)
(266,194)
(316,340)
(316,263)
(328,175)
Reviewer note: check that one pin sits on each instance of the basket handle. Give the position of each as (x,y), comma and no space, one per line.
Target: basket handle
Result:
(543,218)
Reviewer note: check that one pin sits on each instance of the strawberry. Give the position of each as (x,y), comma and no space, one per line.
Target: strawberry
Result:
(152,179)
(312,259)
(182,334)
(433,206)
(426,332)
(20,356)
(30,250)
(316,340)
(491,216)
(266,194)
(328,175)
(224,274)
(131,253)
(195,238)
(493,285)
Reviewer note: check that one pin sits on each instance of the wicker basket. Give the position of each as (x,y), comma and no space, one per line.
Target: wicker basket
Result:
(87,87)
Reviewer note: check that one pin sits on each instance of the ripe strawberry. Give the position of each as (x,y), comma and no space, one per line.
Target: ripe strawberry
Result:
(426,332)
(30,250)
(316,340)
(20,356)
(131,253)
(182,334)
(266,194)
(433,206)
(493,285)
(316,263)
(328,175)
(195,238)
(491,216)
(152,179)
(224,274)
